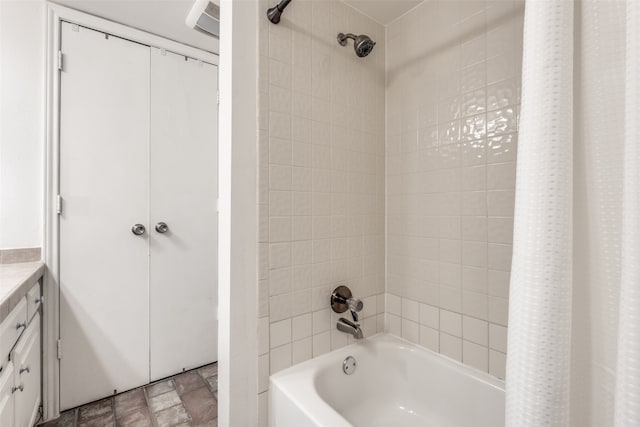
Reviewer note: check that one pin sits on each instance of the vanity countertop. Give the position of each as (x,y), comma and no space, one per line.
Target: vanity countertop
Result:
(15,281)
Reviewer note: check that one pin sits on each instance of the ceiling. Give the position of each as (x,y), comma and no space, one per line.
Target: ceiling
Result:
(161,17)
(383,11)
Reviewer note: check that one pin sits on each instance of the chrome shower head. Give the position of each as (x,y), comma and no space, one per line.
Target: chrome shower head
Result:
(362,44)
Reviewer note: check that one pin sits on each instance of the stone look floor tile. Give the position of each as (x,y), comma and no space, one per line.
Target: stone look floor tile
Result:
(209,370)
(130,401)
(172,416)
(137,418)
(106,420)
(160,387)
(101,409)
(201,405)
(213,383)
(67,419)
(188,399)
(187,382)
(164,401)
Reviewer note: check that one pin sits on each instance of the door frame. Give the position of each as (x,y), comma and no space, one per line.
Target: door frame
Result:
(56,14)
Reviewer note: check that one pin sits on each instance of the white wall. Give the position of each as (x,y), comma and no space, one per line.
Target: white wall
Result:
(321,181)
(237,267)
(453,84)
(22,121)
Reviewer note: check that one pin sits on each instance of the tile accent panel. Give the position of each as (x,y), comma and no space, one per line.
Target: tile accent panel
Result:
(453,96)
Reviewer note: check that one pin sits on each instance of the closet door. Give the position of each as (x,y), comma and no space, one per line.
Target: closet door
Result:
(104,268)
(183,193)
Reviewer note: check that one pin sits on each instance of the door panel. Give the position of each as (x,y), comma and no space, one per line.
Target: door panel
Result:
(183,193)
(104,143)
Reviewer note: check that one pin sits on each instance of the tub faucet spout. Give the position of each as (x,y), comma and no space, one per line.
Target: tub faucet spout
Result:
(349,327)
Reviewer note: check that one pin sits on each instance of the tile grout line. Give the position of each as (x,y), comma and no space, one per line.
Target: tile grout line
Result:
(113,410)
(152,415)
(186,410)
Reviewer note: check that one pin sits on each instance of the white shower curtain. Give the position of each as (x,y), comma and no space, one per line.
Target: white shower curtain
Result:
(574,317)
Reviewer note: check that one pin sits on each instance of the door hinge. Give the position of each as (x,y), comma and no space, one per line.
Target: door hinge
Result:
(59,204)
(60,60)
(59,349)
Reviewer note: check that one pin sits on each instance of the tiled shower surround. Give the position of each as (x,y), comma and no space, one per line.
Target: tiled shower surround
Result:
(321,181)
(453,71)
(392,173)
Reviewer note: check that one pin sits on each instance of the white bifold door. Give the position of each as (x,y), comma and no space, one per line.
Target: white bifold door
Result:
(138,224)
(183,192)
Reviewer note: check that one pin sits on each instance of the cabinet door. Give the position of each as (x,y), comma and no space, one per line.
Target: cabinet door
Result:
(104,170)
(183,193)
(6,395)
(10,329)
(26,362)
(34,299)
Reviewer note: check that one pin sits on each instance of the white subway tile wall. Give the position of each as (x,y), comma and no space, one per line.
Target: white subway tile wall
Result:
(321,182)
(453,85)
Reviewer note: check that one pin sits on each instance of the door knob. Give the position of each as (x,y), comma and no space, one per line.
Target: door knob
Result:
(138,229)
(162,227)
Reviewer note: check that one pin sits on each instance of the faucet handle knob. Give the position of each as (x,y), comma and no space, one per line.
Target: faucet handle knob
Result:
(355,304)
(342,300)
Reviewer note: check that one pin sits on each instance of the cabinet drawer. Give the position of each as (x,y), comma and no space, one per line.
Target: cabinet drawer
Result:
(10,330)
(26,363)
(6,396)
(34,299)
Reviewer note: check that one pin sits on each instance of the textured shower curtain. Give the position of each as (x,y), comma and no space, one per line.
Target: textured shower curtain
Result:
(574,317)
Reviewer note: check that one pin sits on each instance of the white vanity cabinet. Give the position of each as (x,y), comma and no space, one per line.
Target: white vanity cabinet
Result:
(34,299)
(26,378)
(6,395)
(21,361)
(10,329)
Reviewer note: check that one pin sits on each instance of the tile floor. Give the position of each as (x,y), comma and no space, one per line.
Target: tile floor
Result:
(187,399)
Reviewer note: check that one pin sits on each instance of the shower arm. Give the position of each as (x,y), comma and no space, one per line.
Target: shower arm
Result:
(275,12)
(342,38)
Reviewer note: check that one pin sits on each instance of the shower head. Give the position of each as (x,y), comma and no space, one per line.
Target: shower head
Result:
(362,44)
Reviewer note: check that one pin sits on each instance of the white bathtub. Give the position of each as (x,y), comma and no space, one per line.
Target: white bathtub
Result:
(395,384)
